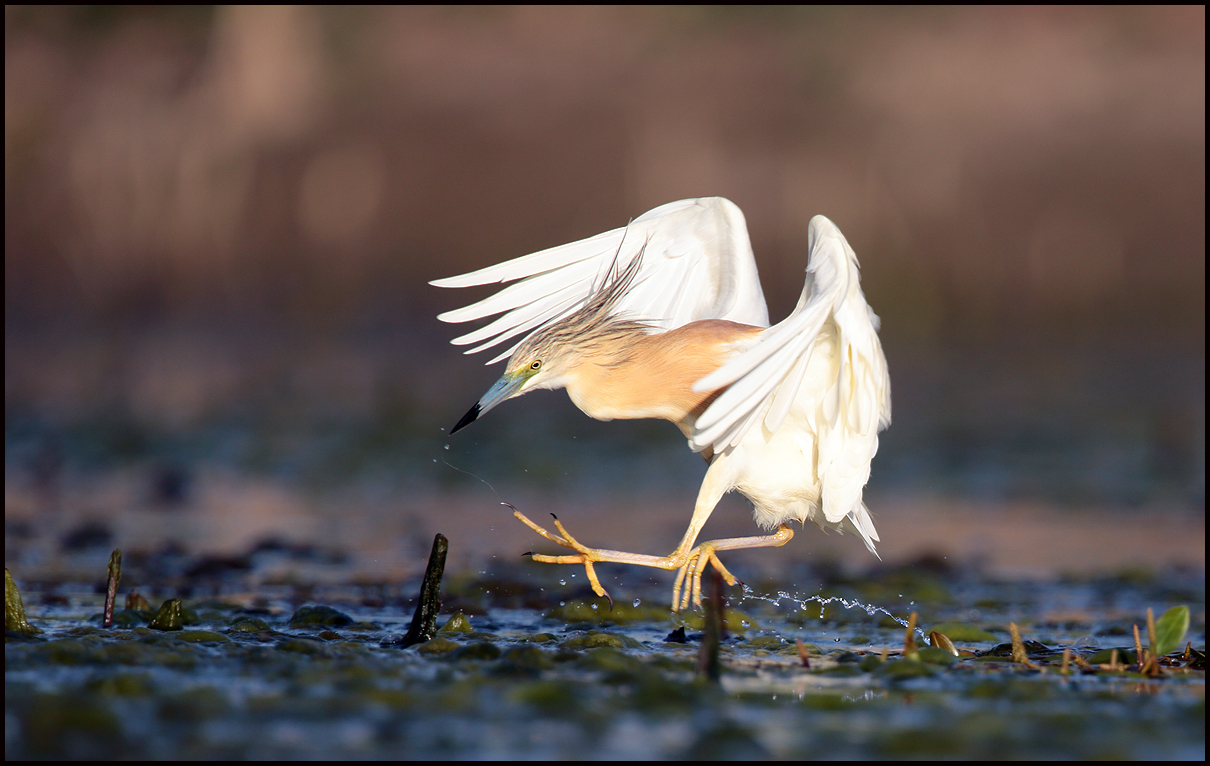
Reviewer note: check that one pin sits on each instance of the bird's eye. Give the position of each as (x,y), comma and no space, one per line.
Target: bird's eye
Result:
(536,365)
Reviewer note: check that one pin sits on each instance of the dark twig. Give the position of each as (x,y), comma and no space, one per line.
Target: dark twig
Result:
(708,664)
(424,621)
(111,586)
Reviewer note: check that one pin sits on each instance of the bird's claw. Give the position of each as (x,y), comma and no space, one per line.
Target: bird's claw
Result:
(584,555)
(683,593)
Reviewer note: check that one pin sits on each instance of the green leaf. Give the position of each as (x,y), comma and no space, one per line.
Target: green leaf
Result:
(1170,630)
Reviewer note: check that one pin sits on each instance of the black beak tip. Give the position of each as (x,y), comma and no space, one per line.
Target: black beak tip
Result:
(467,419)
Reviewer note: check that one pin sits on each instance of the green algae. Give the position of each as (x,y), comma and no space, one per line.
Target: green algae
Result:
(598,612)
(169,617)
(439,645)
(14,611)
(313,616)
(527,661)
(769,643)
(899,670)
(593,639)
(250,625)
(546,689)
(479,650)
(961,632)
(734,621)
(201,637)
(457,624)
(935,655)
(130,618)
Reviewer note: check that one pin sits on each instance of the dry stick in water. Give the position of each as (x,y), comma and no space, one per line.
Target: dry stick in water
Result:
(707,657)
(111,586)
(424,621)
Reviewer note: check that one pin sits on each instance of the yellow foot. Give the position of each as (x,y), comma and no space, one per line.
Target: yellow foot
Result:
(699,558)
(584,555)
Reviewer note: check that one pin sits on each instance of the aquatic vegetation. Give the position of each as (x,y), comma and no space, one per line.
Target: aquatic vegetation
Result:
(254,675)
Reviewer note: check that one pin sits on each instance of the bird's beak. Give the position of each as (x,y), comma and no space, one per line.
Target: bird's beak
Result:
(506,387)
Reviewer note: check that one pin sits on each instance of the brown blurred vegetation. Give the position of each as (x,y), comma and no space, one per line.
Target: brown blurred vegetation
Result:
(219,223)
(999,171)
(235,210)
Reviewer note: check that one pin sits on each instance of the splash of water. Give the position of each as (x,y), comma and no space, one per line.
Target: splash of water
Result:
(823,601)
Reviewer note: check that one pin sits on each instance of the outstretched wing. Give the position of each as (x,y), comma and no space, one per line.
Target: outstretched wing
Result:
(768,378)
(697,264)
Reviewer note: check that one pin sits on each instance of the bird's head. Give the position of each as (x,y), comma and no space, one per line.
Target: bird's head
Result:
(548,358)
(541,361)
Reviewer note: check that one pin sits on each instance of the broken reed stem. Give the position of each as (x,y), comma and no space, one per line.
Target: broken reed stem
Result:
(1018,647)
(802,653)
(1153,661)
(708,664)
(1066,661)
(136,602)
(1019,655)
(1139,657)
(909,636)
(111,586)
(424,620)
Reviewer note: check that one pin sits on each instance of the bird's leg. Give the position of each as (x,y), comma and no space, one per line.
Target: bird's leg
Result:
(704,555)
(713,488)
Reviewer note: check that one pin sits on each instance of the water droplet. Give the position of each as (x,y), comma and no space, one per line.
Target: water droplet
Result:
(837,639)
(562,582)
(594,607)
(638,601)
(447,446)
(561,603)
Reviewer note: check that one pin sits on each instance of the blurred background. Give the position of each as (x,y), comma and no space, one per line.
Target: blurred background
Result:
(220,224)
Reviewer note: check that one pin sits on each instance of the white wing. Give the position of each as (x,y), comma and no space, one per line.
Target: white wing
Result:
(768,378)
(697,264)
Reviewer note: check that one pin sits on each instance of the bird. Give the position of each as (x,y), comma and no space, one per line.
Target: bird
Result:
(665,318)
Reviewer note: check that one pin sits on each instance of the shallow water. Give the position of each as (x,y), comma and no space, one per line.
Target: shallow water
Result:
(547,671)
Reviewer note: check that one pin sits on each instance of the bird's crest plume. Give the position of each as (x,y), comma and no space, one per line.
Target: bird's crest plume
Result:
(595,325)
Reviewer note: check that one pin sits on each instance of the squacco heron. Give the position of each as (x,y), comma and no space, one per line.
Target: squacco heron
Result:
(665,318)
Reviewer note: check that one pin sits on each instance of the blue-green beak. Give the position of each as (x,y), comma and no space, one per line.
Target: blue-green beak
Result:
(506,387)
